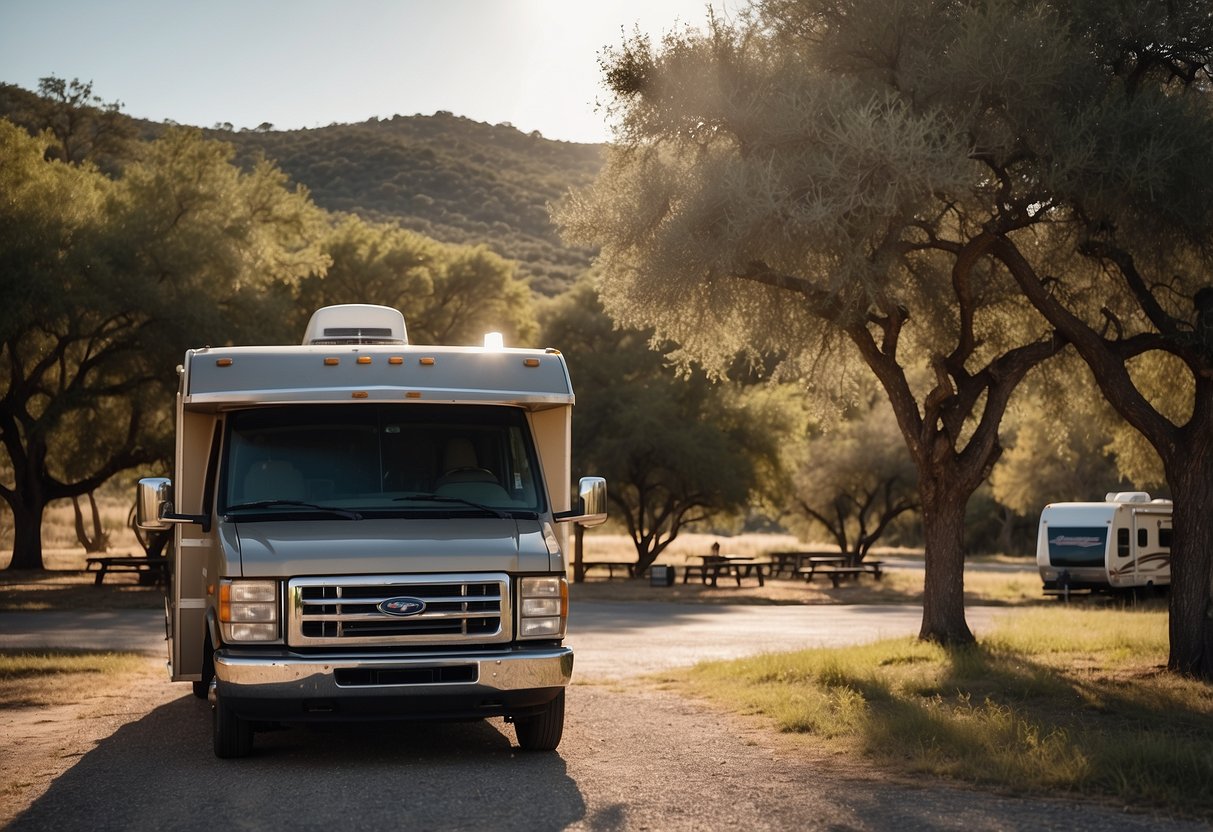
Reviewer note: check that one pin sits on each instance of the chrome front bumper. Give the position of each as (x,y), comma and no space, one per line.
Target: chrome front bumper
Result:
(287,687)
(243,673)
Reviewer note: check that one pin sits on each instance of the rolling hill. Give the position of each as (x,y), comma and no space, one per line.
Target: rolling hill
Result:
(445,176)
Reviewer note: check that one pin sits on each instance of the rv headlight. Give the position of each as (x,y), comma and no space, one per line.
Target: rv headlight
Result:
(248,610)
(543,607)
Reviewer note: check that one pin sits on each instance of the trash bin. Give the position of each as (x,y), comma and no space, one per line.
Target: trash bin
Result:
(661,576)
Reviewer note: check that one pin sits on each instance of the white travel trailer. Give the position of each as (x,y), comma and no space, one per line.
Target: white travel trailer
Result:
(369,529)
(1120,544)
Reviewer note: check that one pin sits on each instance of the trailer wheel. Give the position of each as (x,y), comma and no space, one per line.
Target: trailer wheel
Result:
(542,731)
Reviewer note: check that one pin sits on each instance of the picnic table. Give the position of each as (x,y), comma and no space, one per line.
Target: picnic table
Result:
(736,566)
(807,563)
(792,562)
(838,568)
(610,566)
(157,566)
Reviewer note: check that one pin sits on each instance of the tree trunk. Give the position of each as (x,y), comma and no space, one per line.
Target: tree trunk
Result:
(99,542)
(27,536)
(1006,532)
(578,553)
(645,559)
(943,516)
(1191,596)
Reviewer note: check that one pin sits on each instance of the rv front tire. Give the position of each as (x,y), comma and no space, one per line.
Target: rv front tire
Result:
(202,688)
(233,736)
(542,731)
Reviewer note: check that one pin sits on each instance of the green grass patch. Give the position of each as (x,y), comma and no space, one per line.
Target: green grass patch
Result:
(1055,701)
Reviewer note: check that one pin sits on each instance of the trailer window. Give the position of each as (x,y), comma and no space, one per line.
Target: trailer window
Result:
(1122,543)
(387,458)
(1077,546)
(1143,538)
(1164,537)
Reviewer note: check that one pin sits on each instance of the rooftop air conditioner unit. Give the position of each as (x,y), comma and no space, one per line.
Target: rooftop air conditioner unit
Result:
(355,323)
(1127,497)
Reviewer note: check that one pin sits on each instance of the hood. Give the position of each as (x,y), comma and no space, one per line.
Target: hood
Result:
(298,548)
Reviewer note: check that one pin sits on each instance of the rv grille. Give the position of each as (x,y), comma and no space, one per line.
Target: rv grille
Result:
(345,610)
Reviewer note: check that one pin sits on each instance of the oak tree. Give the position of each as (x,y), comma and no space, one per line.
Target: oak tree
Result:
(676,448)
(103,285)
(772,191)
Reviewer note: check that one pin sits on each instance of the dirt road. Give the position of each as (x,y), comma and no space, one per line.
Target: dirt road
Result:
(633,757)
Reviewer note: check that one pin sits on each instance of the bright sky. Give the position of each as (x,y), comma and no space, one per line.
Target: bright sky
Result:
(309,63)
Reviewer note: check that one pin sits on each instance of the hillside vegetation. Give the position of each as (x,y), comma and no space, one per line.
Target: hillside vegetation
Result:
(447,177)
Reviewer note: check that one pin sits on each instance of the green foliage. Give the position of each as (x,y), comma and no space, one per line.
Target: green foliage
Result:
(445,177)
(676,449)
(777,192)
(449,178)
(448,294)
(82,126)
(1066,443)
(106,282)
(955,186)
(854,479)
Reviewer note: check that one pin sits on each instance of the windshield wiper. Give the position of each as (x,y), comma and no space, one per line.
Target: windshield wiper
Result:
(340,512)
(446,498)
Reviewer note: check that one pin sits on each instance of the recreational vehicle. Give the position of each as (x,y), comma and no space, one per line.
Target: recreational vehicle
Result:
(369,529)
(1122,543)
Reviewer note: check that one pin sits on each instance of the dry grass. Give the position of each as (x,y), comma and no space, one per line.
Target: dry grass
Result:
(1064,700)
(897,586)
(59,530)
(38,678)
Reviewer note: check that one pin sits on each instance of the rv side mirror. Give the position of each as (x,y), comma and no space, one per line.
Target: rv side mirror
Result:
(153,499)
(592,503)
(593,494)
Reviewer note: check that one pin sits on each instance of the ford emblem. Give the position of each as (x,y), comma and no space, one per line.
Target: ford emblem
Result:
(402,606)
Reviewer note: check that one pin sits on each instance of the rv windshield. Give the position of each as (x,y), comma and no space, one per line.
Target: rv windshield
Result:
(367,460)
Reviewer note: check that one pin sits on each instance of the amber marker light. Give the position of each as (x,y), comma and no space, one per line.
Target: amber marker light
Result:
(395,359)
(364,359)
(531,362)
(412,394)
(426,362)
(223,362)
(360,394)
(332,362)
(225,602)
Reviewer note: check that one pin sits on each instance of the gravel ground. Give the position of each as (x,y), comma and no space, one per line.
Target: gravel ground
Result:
(634,757)
(649,759)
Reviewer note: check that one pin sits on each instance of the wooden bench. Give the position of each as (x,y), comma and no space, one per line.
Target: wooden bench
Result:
(140,563)
(610,566)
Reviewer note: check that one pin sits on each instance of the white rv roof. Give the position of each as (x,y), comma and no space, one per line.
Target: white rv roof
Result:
(1079,513)
(235,376)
